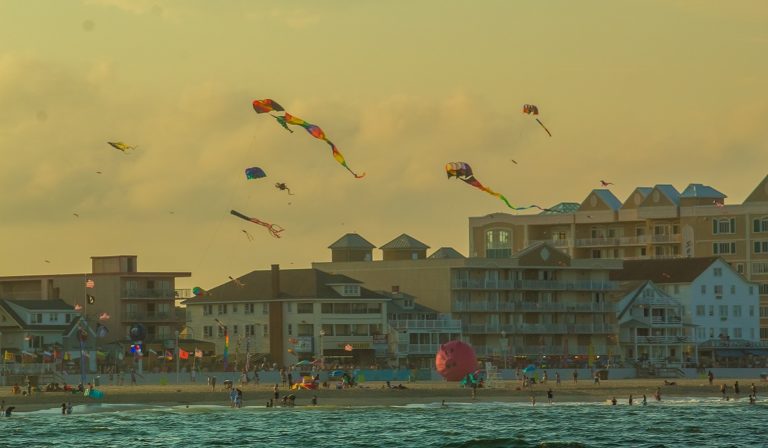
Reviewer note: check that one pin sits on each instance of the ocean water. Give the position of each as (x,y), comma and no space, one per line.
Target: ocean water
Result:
(685,422)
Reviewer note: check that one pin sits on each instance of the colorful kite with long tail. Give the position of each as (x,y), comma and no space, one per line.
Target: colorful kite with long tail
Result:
(274,229)
(316,132)
(463,172)
(267,105)
(532,109)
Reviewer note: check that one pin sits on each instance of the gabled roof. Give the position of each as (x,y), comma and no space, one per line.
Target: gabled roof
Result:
(609,198)
(8,304)
(446,252)
(675,270)
(760,193)
(42,305)
(701,191)
(294,283)
(670,192)
(351,241)
(561,208)
(405,242)
(637,295)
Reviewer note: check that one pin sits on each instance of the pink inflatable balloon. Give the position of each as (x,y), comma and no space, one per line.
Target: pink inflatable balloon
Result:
(455,359)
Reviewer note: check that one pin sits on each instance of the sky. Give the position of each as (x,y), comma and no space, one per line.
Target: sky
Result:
(636,93)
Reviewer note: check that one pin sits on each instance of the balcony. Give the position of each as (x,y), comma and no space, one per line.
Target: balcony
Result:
(519,329)
(537,285)
(520,307)
(148,294)
(556,243)
(417,349)
(536,350)
(666,320)
(658,340)
(447,325)
(152,317)
(640,240)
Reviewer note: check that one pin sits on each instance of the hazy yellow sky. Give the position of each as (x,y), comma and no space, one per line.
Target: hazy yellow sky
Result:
(635,92)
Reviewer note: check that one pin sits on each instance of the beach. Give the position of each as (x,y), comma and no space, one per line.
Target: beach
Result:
(375,393)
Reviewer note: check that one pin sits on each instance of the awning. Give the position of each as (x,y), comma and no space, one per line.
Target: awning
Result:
(730,353)
(758,351)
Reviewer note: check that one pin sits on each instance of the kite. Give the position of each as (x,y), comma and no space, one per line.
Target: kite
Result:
(75,215)
(121,146)
(455,359)
(274,229)
(247,235)
(78,307)
(531,109)
(267,105)
(283,187)
(236,281)
(254,173)
(318,133)
(198,291)
(605,184)
(463,171)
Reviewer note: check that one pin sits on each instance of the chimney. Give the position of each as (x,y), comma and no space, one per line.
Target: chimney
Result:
(396,289)
(275,281)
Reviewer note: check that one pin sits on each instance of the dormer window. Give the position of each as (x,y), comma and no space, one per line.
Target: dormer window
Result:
(351,291)
(36,318)
(408,303)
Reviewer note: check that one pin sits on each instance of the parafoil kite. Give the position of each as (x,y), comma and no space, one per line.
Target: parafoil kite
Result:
(121,146)
(454,360)
(254,173)
(283,187)
(462,171)
(274,229)
(317,132)
(198,291)
(532,109)
(267,105)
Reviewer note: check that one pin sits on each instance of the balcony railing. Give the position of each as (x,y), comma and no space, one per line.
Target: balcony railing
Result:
(666,320)
(537,285)
(417,349)
(639,240)
(659,340)
(556,243)
(518,329)
(148,293)
(536,350)
(533,307)
(437,324)
(153,317)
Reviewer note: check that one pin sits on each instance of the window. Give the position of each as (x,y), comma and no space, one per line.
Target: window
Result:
(342,330)
(677,289)
(36,318)
(736,310)
(723,248)
(711,310)
(701,333)
(53,317)
(234,308)
(326,329)
(265,333)
(265,308)
(764,311)
(207,310)
(596,253)
(699,310)
(760,247)
(290,329)
(760,225)
(719,291)
(763,333)
(724,332)
(222,308)
(751,290)
(498,244)
(374,329)
(740,268)
(250,330)
(221,331)
(248,308)
(208,332)
(703,289)
(326,308)
(711,333)
(67,318)
(718,272)
(288,307)
(723,310)
(724,225)
(234,330)
(737,333)
(351,291)
(764,288)
(305,308)
(733,290)
(751,310)
(305,330)
(759,268)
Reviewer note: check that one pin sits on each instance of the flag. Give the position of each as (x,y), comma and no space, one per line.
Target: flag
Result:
(183,354)
(168,355)
(153,352)
(89,283)
(91,299)
(9,356)
(198,353)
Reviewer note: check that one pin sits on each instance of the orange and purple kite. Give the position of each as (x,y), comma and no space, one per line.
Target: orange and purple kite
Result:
(316,132)
(463,172)
(267,105)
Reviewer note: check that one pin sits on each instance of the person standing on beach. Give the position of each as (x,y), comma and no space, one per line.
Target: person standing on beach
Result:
(753,388)
(549,395)
(630,399)
(575,376)
(657,395)
(213,384)
(645,400)
(314,400)
(557,378)
(63,408)
(133,377)
(736,388)
(533,400)
(723,388)
(276,391)
(613,401)
(711,377)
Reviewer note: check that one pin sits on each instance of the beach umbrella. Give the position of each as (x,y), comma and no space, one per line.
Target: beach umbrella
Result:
(336,373)
(530,369)
(304,363)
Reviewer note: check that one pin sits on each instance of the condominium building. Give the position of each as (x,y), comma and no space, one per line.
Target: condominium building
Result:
(651,223)
(292,315)
(115,294)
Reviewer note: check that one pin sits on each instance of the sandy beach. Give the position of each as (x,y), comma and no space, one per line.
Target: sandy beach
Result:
(376,394)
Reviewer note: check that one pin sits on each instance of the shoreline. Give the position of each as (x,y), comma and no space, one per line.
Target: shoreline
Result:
(376,394)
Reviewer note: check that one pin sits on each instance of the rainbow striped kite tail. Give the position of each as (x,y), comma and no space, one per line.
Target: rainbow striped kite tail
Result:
(501,196)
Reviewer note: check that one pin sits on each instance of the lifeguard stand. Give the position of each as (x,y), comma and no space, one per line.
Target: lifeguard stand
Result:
(493,377)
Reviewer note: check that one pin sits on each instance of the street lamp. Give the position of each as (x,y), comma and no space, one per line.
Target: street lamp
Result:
(503,341)
(322,333)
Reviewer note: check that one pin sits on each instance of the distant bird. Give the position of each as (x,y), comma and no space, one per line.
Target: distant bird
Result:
(76,215)
(247,235)
(47,261)
(604,183)
(124,147)
(513,161)
(98,172)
